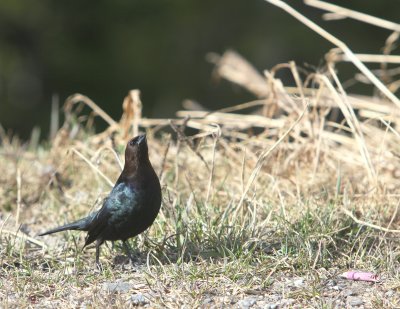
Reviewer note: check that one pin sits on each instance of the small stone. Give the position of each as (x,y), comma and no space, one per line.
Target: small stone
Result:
(118,286)
(332,283)
(298,283)
(271,306)
(389,293)
(247,302)
(349,293)
(139,300)
(354,301)
(287,302)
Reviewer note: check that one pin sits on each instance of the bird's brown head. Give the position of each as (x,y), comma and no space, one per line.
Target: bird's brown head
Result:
(136,152)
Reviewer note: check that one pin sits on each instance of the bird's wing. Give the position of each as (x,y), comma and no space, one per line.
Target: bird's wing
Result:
(114,207)
(97,224)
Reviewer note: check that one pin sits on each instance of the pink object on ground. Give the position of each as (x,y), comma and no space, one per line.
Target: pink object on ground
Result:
(360,276)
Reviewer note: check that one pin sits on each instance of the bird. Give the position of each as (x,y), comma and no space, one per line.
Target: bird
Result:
(131,207)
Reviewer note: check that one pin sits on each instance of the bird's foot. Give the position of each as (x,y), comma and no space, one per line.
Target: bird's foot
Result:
(132,257)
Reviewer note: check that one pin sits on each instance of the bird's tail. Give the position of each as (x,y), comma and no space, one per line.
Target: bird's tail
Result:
(81,225)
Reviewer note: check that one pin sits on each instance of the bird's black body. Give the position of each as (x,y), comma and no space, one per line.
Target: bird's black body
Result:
(132,205)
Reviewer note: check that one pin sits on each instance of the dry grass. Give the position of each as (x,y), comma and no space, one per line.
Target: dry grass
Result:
(268,207)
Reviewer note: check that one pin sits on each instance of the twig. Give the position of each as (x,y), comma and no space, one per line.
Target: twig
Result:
(76,98)
(317,255)
(164,161)
(92,166)
(55,117)
(182,137)
(264,155)
(374,226)
(238,107)
(112,150)
(243,175)
(351,118)
(346,50)
(216,137)
(368,58)
(19,234)
(18,197)
(376,21)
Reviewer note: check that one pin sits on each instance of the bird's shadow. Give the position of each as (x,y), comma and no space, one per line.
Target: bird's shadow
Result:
(171,251)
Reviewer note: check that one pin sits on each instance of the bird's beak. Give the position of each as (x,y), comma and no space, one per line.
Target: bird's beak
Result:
(142,139)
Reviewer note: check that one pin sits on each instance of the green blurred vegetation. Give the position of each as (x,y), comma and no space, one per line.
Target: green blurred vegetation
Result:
(105,48)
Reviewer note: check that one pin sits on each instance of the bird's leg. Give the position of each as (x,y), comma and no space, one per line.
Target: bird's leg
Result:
(128,251)
(98,243)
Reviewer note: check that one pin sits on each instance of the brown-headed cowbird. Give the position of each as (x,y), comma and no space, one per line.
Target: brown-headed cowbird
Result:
(130,208)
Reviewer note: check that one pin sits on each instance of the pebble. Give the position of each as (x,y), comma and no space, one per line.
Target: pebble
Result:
(287,302)
(299,282)
(207,301)
(139,299)
(389,293)
(118,286)
(349,293)
(354,301)
(247,302)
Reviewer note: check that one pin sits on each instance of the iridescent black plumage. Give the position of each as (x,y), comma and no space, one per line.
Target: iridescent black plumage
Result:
(132,205)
